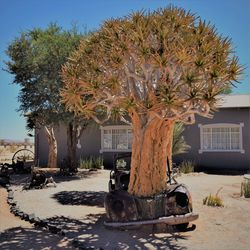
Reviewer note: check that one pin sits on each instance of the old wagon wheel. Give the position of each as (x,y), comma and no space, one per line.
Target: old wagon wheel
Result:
(23,155)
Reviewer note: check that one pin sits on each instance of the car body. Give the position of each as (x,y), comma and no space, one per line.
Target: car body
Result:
(173,206)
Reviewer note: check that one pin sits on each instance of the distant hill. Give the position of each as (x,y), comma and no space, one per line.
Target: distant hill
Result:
(11,141)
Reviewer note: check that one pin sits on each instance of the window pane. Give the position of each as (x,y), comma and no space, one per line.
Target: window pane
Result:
(225,140)
(107,139)
(130,138)
(235,140)
(107,131)
(206,141)
(117,139)
(215,138)
(235,130)
(122,142)
(221,138)
(206,130)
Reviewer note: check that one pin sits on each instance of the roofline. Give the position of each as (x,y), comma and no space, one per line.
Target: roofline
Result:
(234,101)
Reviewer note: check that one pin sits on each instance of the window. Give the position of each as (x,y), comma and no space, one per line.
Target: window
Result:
(221,137)
(116,138)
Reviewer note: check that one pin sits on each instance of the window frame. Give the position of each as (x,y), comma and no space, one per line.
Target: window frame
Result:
(221,125)
(111,127)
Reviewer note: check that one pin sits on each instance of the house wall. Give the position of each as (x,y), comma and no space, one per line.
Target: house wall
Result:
(91,143)
(219,160)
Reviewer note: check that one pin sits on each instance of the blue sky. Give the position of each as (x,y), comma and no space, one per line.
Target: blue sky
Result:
(231,18)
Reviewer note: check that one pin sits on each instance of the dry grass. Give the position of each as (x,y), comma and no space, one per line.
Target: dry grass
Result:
(186,167)
(245,189)
(213,200)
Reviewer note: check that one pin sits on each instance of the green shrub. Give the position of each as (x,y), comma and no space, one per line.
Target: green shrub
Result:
(245,189)
(91,162)
(186,167)
(98,162)
(213,200)
(86,163)
(121,164)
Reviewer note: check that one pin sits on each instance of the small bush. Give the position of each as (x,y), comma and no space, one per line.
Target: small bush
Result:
(98,162)
(213,200)
(121,164)
(91,162)
(245,189)
(187,167)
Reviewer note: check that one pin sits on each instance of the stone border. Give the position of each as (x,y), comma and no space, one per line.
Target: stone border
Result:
(31,218)
(43,223)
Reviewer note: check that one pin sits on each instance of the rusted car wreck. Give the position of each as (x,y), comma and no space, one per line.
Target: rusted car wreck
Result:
(172,207)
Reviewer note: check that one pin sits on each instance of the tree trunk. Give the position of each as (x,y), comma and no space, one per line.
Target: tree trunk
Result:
(72,137)
(152,145)
(52,159)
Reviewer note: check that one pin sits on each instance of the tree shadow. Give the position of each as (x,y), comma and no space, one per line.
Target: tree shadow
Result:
(79,175)
(19,179)
(31,238)
(88,198)
(23,179)
(90,233)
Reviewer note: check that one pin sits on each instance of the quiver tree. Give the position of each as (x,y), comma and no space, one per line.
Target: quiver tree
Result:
(160,67)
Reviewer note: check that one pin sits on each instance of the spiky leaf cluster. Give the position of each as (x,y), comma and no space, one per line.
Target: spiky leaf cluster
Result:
(167,63)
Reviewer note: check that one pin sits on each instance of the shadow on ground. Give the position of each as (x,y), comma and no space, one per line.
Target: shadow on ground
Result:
(91,233)
(23,179)
(88,198)
(30,238)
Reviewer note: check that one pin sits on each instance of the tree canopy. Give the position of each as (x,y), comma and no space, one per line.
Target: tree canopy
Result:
(168,63)
(157,68)
(36,58)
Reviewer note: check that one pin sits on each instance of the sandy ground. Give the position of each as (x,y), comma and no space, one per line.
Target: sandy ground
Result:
(6,154)
(18,234)
(78,203)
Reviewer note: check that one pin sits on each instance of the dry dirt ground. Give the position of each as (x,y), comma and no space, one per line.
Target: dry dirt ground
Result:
(78,205)
(7,153)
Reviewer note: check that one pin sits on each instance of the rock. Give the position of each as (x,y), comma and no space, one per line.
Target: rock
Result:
(12,209)
(42,223)
(31,218)
(25,217)
(46,221)
(11,195)
(37,222)
(16,211)
(11,202)
(20,213)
